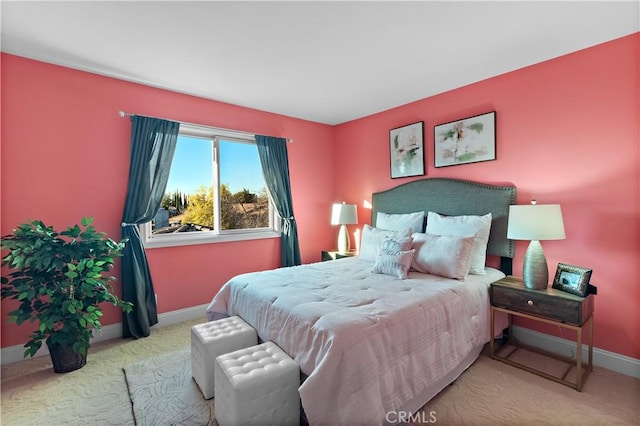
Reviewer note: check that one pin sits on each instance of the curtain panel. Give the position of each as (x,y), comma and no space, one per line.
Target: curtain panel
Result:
(153,143)
(275,168)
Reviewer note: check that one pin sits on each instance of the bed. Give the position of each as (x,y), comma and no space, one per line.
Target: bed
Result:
(371,345)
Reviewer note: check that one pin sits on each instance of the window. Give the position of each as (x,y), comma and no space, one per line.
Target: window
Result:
(215,192)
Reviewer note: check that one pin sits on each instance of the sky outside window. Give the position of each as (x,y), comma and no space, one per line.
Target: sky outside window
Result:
(192,166)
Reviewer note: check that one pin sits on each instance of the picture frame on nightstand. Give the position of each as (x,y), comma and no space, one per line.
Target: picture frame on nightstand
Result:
(572,279)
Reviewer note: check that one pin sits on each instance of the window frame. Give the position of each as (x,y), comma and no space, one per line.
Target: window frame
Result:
(215,236)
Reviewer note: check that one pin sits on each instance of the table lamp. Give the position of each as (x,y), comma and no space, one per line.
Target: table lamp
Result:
(535,222)
(343,215)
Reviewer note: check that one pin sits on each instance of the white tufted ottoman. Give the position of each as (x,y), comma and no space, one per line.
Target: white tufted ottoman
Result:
(215,338)
(257,386)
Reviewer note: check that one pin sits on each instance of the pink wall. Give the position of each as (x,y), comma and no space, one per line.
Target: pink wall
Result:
(65,154)
(567,132)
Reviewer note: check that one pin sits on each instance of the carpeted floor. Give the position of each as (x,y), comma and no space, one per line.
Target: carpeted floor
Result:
(32,394)
(491,392)
(162,391)
(488,393)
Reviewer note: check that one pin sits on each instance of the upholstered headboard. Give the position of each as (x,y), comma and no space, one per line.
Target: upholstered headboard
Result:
(453,197)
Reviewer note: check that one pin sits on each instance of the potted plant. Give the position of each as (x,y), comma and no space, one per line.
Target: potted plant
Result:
(60,280)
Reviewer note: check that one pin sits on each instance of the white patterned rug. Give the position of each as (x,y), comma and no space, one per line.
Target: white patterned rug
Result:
(162,392)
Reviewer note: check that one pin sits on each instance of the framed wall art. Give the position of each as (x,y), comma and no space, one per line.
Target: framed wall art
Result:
(572,279)
(468,140)
(406,145)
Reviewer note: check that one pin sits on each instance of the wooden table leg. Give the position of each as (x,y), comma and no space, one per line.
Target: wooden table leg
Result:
(591,343)
(579,360)
(492,312)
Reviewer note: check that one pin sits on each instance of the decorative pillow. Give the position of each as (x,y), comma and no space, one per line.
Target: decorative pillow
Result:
(400,222)
(392,260)
(442,255)
(373,237)
(477,227)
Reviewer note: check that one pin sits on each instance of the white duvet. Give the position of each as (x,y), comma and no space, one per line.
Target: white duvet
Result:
(368,342)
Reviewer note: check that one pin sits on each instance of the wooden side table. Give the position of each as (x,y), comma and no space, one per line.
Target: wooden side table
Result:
(335,254)
(551,306)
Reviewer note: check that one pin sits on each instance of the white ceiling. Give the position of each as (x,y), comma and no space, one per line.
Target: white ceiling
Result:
(328,62)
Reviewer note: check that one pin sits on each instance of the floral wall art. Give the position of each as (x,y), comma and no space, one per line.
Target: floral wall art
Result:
(468,140)
(407,150)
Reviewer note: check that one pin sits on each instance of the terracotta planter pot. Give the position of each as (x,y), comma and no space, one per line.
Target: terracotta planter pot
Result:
(64,359)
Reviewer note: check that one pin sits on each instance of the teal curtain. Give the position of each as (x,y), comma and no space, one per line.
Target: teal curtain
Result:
(275,168)
(153,142)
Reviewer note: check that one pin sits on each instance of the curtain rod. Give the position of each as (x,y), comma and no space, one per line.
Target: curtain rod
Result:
(128,114)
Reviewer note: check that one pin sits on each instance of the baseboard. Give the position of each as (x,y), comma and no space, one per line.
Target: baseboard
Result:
(182,315)
(12,354)
(601,358)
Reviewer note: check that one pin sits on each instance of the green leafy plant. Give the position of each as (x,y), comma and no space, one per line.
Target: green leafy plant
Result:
(60,280)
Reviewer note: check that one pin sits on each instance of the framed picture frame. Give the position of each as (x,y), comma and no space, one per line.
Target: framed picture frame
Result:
(406,148)
(572,279)
(468,140)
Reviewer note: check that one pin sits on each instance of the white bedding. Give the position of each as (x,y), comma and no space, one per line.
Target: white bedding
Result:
(368,342)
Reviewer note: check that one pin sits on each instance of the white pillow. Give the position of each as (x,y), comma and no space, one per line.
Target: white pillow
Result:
(442,255)
(400,222)
(392,260)
(372,239)
(477,227)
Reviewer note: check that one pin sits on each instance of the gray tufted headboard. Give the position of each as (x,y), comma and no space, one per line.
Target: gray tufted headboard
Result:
(454,197)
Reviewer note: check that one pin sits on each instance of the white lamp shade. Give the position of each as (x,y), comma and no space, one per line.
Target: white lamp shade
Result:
(535,222)
(344,214)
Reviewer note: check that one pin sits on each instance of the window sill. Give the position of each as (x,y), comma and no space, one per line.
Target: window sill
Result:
(161,241)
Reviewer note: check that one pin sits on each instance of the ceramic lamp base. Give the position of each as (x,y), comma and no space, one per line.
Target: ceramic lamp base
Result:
(535,273)
(343,239)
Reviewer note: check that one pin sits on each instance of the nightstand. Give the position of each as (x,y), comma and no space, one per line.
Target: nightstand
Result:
(335,254)
(550,306)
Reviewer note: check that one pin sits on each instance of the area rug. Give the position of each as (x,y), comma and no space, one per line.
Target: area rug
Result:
(162,392)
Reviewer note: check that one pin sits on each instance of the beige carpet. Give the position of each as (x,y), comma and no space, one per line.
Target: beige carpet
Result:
(162,391)
(488,393)
(494,393)
(32,394)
